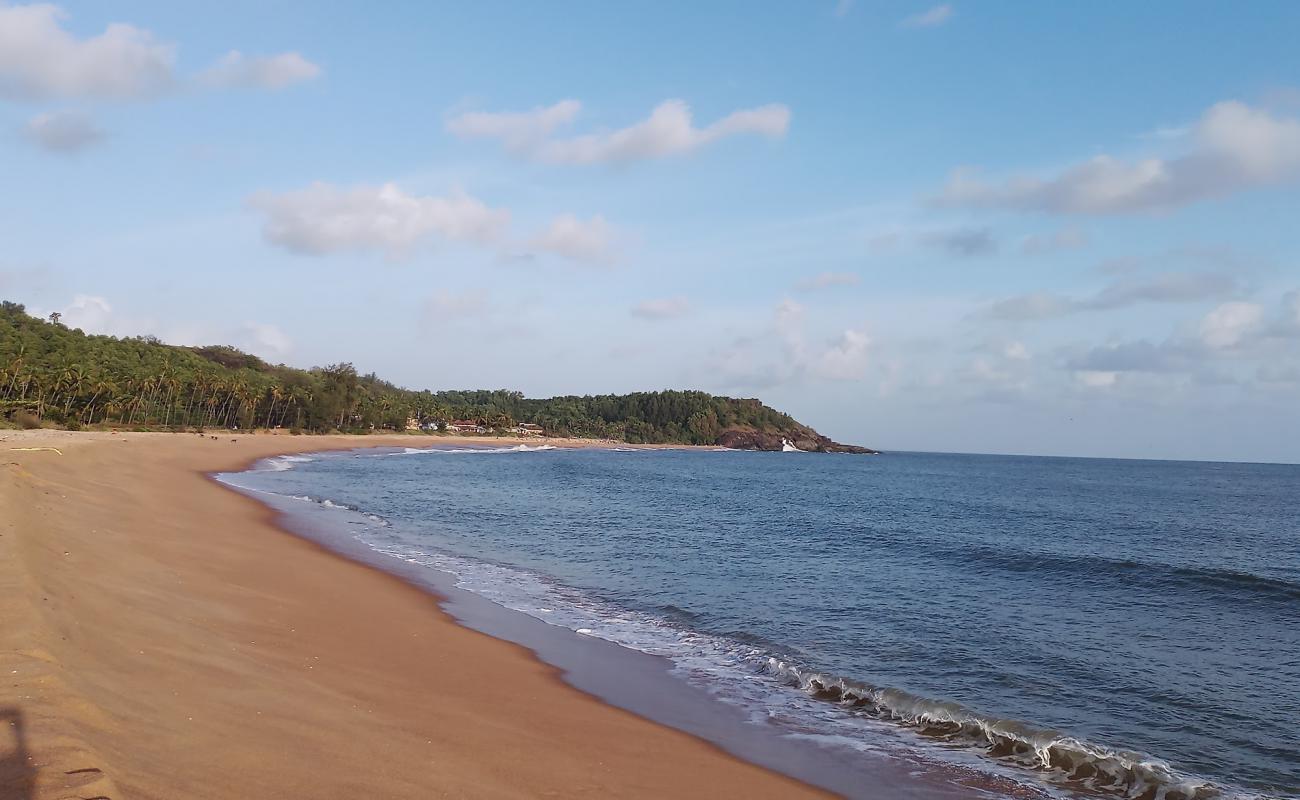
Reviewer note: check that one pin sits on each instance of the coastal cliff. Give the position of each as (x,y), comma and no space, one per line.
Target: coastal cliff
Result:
(806,440)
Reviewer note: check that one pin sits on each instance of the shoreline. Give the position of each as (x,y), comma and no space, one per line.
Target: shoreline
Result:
(176,642)
(630,679)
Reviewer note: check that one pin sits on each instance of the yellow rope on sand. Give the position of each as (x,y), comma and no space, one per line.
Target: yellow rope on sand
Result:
(34,449)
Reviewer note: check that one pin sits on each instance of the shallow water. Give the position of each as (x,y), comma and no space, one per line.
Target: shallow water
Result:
(1121,628)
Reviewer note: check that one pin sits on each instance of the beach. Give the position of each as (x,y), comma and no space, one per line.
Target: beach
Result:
(163,638)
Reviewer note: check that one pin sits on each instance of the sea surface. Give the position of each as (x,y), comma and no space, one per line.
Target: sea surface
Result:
(1088,627)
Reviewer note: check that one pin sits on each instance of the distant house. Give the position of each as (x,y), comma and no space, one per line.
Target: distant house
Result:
(529,429)
(465,426)
(412,424)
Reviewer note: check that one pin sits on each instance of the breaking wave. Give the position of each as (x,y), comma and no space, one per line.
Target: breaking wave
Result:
(1061,759)
(519,448)
(282,463)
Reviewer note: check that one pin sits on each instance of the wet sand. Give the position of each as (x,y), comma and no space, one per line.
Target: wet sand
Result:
(160,637)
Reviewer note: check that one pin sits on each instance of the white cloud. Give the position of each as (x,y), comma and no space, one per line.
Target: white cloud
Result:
(518,131)
(236,70)
(845,357)
(94,314)
(1234,147)
(1095,379)
(665,308)
(929,19)
(324,218)
(1227,325)
(263,339)
(592,240)
(1015,351)
(826,280)
(668,131)
(91,313)
(39,59)
(789,319)
(63,131)
(781,354)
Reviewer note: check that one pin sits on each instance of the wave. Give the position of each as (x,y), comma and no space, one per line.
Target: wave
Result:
(283,463)
(1062,759)
(1093,567)
(519,448)
(742,668)
(729,664)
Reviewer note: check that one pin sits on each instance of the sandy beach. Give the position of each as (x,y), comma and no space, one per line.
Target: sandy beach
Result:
(162,638)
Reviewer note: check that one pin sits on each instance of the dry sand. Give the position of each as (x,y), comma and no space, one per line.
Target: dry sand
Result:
(161,638)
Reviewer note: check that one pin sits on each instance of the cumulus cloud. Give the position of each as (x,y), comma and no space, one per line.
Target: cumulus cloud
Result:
(324,218)
(263,339)
(63,131)
(91,313)
(1172,287)
(1094,379)
(592,240)
(782,354)
(669,131)
(1235,342)
(827,280)
(520,131)
(966,242)
(929,19)
(664,308)
(1137,356)
(238,71)
(96,315)
(1039,244)
(845,356)
(40,60)
(1234,147)
(1227,325)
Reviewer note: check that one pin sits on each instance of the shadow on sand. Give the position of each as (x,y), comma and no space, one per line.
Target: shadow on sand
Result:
(17,775)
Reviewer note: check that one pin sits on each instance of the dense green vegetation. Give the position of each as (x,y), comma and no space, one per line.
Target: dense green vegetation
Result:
(51,374)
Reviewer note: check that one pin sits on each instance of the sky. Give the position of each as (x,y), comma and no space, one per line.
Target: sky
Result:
(1014,227)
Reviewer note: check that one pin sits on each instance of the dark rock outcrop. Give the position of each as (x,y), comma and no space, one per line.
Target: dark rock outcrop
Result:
(807,440)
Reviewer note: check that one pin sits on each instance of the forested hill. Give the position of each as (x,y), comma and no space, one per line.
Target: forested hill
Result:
(52,374)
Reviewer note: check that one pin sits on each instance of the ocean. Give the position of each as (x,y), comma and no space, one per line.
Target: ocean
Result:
(1072,627)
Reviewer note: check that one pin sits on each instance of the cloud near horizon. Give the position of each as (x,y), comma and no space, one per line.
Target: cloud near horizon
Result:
(324,218)
(1234,147)
(668,131)
(94,314)
(1170,287)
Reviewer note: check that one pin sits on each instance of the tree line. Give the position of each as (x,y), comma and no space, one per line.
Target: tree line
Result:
(53,374)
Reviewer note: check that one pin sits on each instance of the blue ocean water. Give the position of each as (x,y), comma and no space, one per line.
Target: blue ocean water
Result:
(1095,627)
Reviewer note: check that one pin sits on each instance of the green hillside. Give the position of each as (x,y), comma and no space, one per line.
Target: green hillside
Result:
(54,375)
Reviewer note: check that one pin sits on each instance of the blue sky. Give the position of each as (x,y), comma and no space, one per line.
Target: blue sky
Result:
(993,227)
